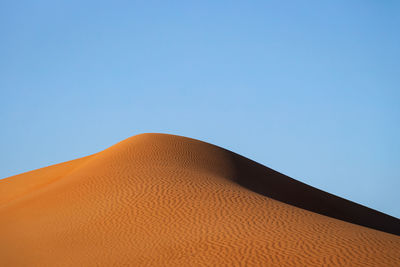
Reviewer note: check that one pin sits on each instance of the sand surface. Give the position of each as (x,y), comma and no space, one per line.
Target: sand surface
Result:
(164,200)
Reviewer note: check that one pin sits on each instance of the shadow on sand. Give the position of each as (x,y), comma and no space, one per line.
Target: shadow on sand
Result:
(275,185)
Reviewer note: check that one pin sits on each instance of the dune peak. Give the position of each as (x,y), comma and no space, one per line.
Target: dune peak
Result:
(161,199)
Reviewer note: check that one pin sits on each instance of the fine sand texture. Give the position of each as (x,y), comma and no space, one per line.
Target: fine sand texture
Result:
(165,200)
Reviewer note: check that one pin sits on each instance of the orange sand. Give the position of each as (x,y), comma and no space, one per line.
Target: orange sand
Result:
(165,200)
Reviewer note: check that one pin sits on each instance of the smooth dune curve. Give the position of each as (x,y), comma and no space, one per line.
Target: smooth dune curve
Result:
(164,200)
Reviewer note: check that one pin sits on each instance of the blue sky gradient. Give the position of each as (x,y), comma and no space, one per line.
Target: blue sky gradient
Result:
(308,88)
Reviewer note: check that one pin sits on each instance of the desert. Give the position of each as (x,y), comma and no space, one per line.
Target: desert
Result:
(166,200)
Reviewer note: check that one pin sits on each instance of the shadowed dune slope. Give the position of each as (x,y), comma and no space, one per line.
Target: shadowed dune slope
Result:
(164,200)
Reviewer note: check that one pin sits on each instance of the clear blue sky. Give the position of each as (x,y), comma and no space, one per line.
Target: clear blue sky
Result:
(308,88)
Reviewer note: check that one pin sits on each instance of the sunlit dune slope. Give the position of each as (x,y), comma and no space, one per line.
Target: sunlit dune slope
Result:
(164,200)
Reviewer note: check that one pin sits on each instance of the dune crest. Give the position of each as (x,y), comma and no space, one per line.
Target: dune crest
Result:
(158,199)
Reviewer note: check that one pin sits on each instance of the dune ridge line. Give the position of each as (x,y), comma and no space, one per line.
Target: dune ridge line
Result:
(167,200)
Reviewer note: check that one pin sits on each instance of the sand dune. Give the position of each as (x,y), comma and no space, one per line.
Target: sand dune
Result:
(164,200)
